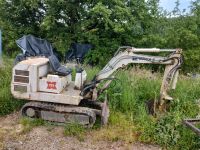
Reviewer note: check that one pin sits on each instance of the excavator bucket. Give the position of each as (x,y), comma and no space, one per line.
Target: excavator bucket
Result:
(153,107)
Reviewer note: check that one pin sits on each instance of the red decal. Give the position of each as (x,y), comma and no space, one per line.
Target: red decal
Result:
(51,85)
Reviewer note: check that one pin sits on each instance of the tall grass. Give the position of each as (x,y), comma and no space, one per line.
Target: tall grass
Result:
(129,119)
(139,86)
(7,103)
(128,97)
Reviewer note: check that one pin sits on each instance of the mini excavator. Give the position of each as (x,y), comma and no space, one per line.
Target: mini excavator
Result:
(55,97)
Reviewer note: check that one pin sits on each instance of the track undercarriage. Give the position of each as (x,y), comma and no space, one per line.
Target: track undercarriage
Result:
(61,113)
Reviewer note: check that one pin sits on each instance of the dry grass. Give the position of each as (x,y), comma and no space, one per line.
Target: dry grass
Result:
(118,129)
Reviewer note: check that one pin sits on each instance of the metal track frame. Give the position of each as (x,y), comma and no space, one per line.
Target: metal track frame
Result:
(191,124)
(84,114)
(57,110)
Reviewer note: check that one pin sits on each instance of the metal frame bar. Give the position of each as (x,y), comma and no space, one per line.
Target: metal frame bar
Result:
(191,124)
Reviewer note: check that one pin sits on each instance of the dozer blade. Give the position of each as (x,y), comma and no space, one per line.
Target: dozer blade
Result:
(104,113)
(101,109)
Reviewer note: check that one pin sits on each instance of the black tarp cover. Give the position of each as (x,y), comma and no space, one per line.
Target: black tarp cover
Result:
(33,46)
(77,52)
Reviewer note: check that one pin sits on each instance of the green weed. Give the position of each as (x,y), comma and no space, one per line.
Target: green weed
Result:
(29,124)
(91,72)
(118,128)
(74,129)
(167,130)
(8,104)
(129,97)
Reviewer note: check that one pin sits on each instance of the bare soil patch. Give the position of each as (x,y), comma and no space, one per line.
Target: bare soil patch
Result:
(12,137)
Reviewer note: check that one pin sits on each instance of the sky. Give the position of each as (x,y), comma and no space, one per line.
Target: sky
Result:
(170,4)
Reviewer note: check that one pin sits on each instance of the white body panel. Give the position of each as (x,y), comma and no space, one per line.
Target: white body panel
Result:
(31,81)
(67,96)
(80,79)
(54,83)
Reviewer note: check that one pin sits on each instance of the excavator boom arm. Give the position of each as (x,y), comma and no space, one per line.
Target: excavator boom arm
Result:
(130,56)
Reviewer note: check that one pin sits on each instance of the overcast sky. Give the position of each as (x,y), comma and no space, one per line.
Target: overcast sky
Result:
(170,4)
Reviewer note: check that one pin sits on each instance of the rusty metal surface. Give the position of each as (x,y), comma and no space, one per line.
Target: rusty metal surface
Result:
(191,124)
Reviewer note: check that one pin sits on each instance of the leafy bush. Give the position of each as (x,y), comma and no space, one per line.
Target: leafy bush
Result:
(191,60)
(105,25)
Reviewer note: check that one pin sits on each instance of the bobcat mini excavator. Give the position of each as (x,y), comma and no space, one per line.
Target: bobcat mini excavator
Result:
(55,97)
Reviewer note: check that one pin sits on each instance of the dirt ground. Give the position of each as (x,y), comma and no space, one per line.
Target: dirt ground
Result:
(45,138)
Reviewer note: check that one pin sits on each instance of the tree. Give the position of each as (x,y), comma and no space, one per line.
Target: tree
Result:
(105,24)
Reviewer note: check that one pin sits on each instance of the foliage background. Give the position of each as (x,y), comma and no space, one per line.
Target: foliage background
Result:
(105,24)
(108,25)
